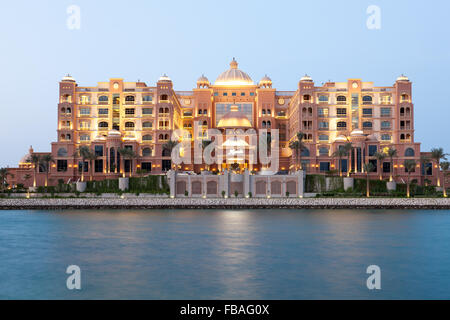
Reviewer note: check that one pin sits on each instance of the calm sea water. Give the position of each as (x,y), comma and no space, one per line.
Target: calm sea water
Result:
(219,254)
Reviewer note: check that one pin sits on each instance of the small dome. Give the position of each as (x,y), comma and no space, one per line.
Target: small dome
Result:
(114,133)
(234,120)
(203,79)
(164,77)
(100,138)
(372,137)
(340,138)
(234,77)
(68,78)
(357,132)
(265,79)
(306,78)
(402,78)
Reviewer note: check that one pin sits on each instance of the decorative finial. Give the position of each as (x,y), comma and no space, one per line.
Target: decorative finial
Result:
(233,64)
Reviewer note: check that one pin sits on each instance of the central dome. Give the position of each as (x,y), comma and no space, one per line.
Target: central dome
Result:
(234,77)
(234,120)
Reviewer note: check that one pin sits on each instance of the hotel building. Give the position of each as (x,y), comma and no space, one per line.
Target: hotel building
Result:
(118,114)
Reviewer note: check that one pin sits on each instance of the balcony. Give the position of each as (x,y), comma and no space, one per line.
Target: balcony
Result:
(163,114)
(405,127)
(341,128)
(129,102)
(103,102)
(385,128)
(405,115)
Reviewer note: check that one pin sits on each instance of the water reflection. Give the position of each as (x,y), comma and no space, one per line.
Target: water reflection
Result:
(214,254)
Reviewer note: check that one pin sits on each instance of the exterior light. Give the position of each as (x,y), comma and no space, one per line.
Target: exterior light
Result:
(172,197)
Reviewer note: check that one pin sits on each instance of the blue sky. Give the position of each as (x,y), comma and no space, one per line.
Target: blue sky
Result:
(135,40)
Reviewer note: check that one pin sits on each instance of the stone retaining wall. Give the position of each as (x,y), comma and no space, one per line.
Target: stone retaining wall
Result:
(230,203)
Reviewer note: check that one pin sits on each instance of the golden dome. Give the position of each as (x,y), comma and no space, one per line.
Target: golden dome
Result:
(234,77)
(234,120)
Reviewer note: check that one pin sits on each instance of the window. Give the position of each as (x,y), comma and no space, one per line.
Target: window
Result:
(103,124)
(367,112)
(242,94)
(129,111)
(341,111)
(252,94)
(146,166)
(305,152)
(322,112)
(98,150)
(85,111)
(85,125)
(323,137)
(367,99)
(147,137)
(146,152)
(323,125)
(147,111)
(147,125)
(62,152)
(372,150)
(342,124)
(385,112)
(324,166)
(129,98)
(98,165)
(323,98)
(386,167)
(225,94)
(147,98)
(103,99)
(385,125)
(341,99)
(83,166)
(306,97)
(386,137)
(409,152)
(85,137)
(61,165)
(367,125)
(129,125)
(164,97)
(233,94)
(103,111)
(323,151)
(216,94)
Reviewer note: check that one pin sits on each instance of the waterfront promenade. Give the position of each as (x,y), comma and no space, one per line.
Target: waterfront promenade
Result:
(221,203)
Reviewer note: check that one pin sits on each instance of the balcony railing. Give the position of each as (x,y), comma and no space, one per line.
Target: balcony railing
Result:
(129,102)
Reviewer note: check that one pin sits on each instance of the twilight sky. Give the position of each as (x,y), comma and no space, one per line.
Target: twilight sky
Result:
(134,40)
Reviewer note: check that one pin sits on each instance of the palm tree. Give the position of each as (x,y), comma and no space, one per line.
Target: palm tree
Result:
(91,157)
(348,148)
(298,146)
(380,156)
(3,176)
(127,154)
(392,153)
(46,160)
(437,154)
(35,159)
(339,153)
(368,168)
(445,166)
(410,166)
(84,153)
(169,146)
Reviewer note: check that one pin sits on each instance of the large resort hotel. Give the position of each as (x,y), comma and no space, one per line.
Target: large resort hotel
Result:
(117,114)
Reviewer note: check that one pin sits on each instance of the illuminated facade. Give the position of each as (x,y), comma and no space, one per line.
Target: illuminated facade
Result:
(118,114)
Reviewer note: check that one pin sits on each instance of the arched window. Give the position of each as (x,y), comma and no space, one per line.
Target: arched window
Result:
(205,123)
(147,125)
(402,136)
(263,124)
(166,110)
(103,99)
(367,124)
(310,111)
(164,97)
(269,124)
(342,124)
(408,111)
(161,110)
(269,112)
(205,112)
(62,152)
(147,137)
(200,111)
(63,110)
(129,125)
(146,152)
(306,97)
(367,99)
(129,98)
(103,124)
(69,110)
(404,98)
(341,99)
(264,111)
(305,152)
(161,137)
(409,152)
(166,137)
